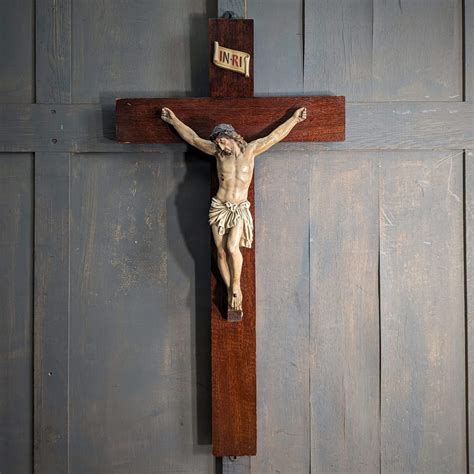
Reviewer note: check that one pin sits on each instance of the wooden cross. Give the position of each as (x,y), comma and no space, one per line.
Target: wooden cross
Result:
(233,352)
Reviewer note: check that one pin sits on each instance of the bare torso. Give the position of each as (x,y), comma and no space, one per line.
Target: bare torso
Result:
(235,175)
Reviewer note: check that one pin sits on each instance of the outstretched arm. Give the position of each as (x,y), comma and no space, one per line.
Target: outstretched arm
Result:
(187,133)
(263,144)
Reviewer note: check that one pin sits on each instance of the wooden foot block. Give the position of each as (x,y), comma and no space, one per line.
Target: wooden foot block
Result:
(234,315)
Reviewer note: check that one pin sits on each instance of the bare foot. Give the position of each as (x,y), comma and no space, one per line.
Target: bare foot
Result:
(235,297)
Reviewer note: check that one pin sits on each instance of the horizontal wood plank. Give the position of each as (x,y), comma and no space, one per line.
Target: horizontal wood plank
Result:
(138,120)
(370,126)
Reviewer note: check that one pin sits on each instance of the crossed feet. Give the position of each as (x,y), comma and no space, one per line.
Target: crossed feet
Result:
(234,297)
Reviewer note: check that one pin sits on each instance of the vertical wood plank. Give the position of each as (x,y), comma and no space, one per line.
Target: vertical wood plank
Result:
(234,34)
(274,48)
(363,49)
(338,48)
(189,306)
(344,309)
(469,50)
(233,359)
(53,51)
(282,272)
(236,465)
(51,325)
(423,426)
(239,7)
(283,313)
(16,265)
(159,49)
(431,70)
(51,300)
(133,387)
(469,275)
(17,83)
(16,247)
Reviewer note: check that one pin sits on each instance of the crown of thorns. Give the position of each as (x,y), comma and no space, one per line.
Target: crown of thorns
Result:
(222,129)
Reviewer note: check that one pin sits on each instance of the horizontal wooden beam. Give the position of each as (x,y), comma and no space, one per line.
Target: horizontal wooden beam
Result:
(138,120)
(87,128)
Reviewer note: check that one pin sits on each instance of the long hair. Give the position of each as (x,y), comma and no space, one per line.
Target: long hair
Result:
(242,144)
(228,131)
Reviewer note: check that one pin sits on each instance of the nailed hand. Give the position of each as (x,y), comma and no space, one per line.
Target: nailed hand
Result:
(167,115)
(300,114)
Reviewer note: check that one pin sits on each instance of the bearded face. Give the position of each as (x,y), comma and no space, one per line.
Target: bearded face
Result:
(225,144)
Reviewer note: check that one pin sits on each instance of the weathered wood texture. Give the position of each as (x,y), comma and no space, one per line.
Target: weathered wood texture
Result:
(17,66)
(53,51)
(144,48)
(372,50)
(468,50)
(469,285)
(51,306)
(367,50)
(370,126)
(52,251)
(139,314)
(17,86)
(138,119)
(233,34)
(344,313)
(238,7)
(282,190)
(16,255)
(282,263)
(423,424)
(277,72)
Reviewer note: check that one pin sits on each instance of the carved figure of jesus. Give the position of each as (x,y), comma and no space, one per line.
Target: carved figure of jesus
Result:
(229,214)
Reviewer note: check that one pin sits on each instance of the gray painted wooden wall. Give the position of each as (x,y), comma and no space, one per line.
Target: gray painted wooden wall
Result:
(365,249)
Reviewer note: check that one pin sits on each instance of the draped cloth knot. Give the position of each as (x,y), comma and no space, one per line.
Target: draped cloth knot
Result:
(226,215)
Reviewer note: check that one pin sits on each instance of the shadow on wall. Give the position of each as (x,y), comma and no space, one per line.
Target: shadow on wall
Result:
(189,202)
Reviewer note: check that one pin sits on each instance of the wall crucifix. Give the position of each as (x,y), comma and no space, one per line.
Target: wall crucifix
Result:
(229,215)
(234,127)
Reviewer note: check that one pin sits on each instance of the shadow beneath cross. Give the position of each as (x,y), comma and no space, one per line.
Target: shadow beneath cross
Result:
(189,237)
(188,201)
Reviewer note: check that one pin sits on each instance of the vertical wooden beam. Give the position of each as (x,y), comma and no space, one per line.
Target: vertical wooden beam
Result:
(234,414)
(469,286)
(233,34)
(51,265)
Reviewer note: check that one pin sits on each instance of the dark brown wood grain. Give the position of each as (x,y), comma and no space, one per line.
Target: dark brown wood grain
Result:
(233,34)
(233,343)
(138,120)
(233,356)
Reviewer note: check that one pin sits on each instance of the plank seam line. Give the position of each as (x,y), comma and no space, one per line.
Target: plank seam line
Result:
(68,311)
(379,291)
(310,351)
(463,51)
(466,310)
(303,31)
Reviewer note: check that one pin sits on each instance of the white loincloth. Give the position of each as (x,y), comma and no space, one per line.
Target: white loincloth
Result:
(227,214)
